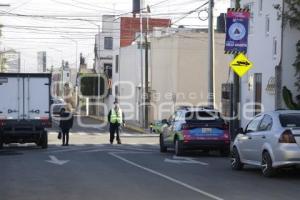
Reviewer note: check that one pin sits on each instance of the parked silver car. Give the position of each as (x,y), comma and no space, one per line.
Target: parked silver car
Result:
(57,104)
(271,140)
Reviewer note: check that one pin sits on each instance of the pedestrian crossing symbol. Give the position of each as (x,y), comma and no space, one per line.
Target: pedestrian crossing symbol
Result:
(241,65)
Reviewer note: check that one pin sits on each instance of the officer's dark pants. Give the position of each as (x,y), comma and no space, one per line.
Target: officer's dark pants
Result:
(114,128)
(65,136)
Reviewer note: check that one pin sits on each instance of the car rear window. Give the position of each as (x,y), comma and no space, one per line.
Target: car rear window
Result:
(290,120)
(202,116)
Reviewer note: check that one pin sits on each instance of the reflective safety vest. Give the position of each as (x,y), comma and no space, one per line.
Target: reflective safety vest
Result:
(116,117)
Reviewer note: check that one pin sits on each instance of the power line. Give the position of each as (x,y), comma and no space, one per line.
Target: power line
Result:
(19,6)
(92,5)
(190,12)
(73,5)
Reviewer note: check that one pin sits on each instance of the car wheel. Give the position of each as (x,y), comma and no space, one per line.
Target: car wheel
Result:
(236,163)
(225,152)
(163,148)
(266,165)
(44,140)
(178,148)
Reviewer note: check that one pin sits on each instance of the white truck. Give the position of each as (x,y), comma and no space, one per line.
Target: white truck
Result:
(25,108)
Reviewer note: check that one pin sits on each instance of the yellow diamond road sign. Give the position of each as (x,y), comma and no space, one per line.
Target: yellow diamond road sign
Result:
(241,65)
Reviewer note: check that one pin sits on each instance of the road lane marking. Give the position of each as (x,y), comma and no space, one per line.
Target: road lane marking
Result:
(184,160)
(101,150)
(132,152)
(56,161)
(166,177)
(136,149)
(72,149)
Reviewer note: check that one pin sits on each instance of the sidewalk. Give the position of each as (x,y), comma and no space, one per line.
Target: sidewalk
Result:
(130,126)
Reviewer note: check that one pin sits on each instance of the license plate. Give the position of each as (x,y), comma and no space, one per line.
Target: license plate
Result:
(206,130)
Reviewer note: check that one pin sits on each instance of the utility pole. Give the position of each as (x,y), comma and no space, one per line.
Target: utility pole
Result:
(211,56)
(147,100)
(236,93)
(142,66)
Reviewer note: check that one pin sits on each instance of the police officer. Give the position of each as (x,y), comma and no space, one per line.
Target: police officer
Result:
(115,119)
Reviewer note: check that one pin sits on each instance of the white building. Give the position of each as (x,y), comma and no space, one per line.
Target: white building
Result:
(41,61)
(11,61)
(272,51)
(130,81)
(107,46)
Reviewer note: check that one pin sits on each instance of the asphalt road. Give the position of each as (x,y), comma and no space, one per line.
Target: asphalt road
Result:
(93,169)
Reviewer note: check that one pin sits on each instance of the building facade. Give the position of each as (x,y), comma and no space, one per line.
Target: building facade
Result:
(117,32)
(41,61)
(272,49)
(179,69)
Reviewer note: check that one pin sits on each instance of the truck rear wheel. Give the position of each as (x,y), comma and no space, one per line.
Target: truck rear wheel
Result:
(44,140)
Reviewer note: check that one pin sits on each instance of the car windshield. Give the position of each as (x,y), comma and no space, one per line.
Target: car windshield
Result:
(202,116)
(290,120)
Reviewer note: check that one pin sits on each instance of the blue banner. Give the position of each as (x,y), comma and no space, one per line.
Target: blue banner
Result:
(237,22)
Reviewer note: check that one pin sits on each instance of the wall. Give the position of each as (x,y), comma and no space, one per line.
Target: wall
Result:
(290,38)
(130,26)
(180,69)
(260,52)
(130,77)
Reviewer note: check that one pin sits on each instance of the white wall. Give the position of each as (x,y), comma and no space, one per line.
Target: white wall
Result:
(130,77)
(180,68)
(290,38)
(260,52)
(110,28)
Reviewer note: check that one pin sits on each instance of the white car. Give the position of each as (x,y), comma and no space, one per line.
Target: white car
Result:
(271,140)
(57,105)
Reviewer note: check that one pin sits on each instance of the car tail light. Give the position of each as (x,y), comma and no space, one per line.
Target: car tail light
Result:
(2,121)
(226,131)
(225,126)
(287,137)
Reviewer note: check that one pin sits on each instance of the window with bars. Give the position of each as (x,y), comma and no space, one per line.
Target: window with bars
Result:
(267,25)
(250,6)
(117,64)
(260,6)
(108,43)
(257,93)
(275,47)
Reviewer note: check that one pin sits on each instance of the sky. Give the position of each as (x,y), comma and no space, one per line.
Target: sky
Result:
(57,26)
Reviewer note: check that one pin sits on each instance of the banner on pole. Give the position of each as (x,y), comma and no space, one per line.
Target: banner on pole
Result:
(237,21)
